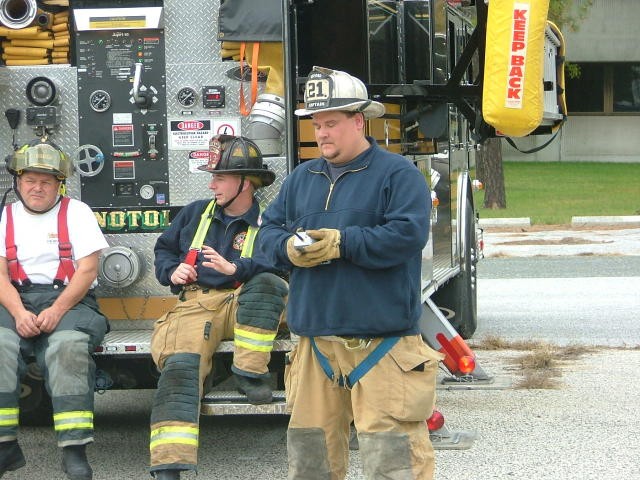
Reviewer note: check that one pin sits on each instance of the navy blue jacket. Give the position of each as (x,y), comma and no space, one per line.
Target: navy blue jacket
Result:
(381,206)
(228,240)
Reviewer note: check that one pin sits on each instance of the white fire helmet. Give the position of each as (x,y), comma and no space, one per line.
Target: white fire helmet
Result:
(333,90)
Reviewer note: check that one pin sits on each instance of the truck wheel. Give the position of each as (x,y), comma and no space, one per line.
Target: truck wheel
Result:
(459,295)
(35,403)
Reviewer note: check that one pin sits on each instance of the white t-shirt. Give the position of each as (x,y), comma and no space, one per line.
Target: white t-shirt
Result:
(36,237)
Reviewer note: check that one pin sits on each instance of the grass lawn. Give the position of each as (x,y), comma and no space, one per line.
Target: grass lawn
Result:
(552,193)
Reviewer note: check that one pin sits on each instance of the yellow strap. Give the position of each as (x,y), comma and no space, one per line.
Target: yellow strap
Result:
(247,248)
(205,223)
(203,226)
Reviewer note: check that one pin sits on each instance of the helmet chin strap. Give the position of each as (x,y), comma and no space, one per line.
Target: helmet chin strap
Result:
(37,212)
(242,178)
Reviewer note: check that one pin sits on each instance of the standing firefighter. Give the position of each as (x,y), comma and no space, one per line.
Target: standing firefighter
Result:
(226,290)
(354,294)
(49,248)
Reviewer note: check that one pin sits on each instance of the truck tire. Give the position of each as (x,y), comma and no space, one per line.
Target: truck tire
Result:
(459,295)
(35,403)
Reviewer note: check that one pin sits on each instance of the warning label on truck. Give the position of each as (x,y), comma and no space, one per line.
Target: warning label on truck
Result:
(189,134)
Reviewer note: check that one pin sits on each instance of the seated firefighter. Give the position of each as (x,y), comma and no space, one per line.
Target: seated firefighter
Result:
(226,289)
(49,248)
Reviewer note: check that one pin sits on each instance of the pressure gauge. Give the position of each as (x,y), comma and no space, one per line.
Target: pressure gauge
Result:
(187,97)
(99,101)
(147,191)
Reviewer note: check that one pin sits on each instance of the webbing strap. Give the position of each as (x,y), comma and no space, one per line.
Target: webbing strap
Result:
(247,247)
(360,370)
(16,272)
(244,110)
(201,233)
(65,267)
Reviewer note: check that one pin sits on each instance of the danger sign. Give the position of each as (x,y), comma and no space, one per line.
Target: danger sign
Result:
(189,134)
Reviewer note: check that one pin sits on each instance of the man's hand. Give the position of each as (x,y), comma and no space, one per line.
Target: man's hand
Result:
(26,324)
(297,256)
(183,274)
(49,319)
(326,247)
(217,261)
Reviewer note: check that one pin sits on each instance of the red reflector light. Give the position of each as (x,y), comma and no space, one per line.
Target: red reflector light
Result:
(130,348)
(466,364)
(99,348)
(435,421)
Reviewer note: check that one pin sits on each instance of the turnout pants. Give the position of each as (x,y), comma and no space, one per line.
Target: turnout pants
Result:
(64,358)
(183,344)
(389,406)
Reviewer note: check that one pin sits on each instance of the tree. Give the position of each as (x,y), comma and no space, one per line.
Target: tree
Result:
(564,13)
(489,171)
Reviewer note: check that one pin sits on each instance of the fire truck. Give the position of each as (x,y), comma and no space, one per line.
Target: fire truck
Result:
(133,91)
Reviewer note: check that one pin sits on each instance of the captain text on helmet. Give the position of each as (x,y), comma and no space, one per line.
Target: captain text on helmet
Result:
(49,248)
(354,294)
(226,289)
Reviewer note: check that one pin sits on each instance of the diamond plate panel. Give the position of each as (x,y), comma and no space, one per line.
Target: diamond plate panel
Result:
(13,95)
(198,43)
(192,59)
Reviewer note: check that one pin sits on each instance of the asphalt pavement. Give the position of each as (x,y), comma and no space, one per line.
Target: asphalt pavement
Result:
(585,428)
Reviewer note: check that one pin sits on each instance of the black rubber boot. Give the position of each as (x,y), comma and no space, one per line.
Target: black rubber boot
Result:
(167,474)
(257,390)
(75,463)
(11,457)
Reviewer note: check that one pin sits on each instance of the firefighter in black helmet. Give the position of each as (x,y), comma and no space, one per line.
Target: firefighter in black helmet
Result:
(49,248)
(225,289)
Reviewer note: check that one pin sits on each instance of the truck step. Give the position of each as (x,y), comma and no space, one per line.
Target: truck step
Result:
(218,402)
(138,342)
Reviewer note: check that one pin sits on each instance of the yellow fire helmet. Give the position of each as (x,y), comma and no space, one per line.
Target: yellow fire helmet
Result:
(40,156)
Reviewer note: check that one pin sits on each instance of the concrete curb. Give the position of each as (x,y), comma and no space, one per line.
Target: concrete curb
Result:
(575,221)
(605,220)
(505,222)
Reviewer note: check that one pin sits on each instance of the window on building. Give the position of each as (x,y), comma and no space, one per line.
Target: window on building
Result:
(626,87)
(604,88)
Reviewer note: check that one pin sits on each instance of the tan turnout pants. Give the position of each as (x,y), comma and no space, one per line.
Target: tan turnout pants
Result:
(389,407)
(194,329)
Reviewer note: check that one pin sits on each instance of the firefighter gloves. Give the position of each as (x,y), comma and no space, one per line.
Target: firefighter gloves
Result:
(325,248)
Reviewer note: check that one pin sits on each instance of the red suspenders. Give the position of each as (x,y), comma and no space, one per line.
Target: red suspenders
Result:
(65,268)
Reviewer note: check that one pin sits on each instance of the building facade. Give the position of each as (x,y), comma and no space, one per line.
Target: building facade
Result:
(604,101)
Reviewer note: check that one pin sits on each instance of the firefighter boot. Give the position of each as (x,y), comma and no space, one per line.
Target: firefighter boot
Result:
(257,390)
(75,463)
(11,457)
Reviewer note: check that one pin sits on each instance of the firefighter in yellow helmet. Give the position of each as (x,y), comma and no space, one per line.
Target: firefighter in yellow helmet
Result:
(226,288)
(49,247)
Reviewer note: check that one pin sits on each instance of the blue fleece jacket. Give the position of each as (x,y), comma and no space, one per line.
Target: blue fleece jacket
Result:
(226,238)
(381,205)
